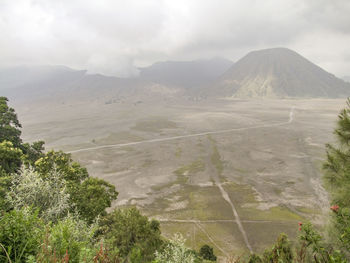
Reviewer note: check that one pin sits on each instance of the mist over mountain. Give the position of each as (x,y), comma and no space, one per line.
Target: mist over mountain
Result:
(26,84)
(270,73)
(346,78)
(186,74)
(276,73)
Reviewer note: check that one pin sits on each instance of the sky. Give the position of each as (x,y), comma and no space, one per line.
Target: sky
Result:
(115,37)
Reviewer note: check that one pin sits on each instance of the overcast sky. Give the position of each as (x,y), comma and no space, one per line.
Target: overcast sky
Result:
(114,37)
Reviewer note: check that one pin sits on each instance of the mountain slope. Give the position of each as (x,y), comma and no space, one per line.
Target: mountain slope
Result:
(346,78)
(185,74)
(26,84)
(276,73)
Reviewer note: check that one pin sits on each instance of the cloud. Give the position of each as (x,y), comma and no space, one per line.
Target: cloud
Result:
(115,36)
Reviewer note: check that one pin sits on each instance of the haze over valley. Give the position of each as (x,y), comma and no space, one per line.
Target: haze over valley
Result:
(211,119)
(186,147)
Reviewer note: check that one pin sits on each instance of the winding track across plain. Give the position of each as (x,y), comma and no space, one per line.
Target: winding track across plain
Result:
(185,136)
(222,190)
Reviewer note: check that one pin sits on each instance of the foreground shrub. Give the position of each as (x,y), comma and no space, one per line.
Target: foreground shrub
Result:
(49,196)
(73,237)
(21,232)
(132,233)
(207,252)
(175,252)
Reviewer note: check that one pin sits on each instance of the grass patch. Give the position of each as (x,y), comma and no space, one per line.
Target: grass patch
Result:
(242,194)
(277,191)
(118,137)
(225,235)
(204,203)
(216,161)
(192,168)
(277,213)
(148,163)
(183,174)
(154,125)
(264,235)
(178,152)
(308,210)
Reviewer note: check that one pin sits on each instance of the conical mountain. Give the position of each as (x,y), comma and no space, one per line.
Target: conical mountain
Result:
(278,73)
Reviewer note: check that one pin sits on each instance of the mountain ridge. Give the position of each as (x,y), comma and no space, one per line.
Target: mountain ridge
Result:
(277,73)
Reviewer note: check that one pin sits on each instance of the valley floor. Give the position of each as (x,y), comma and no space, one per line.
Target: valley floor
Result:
(229,173)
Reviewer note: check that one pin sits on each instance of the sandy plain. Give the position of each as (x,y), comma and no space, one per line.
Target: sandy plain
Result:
(230,173)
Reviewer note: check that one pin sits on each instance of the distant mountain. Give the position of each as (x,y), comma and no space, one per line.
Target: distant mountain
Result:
(185,74)
(276,73)
(25,84)
(36,81)
(346,78)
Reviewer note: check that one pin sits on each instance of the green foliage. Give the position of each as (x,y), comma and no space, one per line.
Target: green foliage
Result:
(32,152)
(48,196)
(175,252)
(5,183)
(10,158)
(128,230)
(92,198)
(337,175)
(312,244)
(20,234)
(207,252)
(71,171)
(72,236)
(254,258)
(88,196)
(9,124)
(280,252)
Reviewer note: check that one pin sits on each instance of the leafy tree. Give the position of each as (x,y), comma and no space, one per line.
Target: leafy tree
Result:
(33,152)
(313,244)
(175,252)
(20,235)
(280,252)
(88,196)
(5,183)
(207,252)
(71,171)
(126,229)
(48,196)
(9,124)
(92,198)
(10,161)
(254,258)
(337,175)
(10,158)
(74,237)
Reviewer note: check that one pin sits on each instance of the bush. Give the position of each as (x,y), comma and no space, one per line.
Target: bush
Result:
(206,252)
(126,229)
(49,196)
(175,252)
(74,237)
(21,232)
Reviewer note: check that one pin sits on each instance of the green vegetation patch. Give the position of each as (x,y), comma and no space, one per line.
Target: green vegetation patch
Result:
(192,168)
(244,198)
(263,235)
(216,161)
(277,213)
(221,236)
(118,137)
(154,125)
(203,203)
(178,152)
